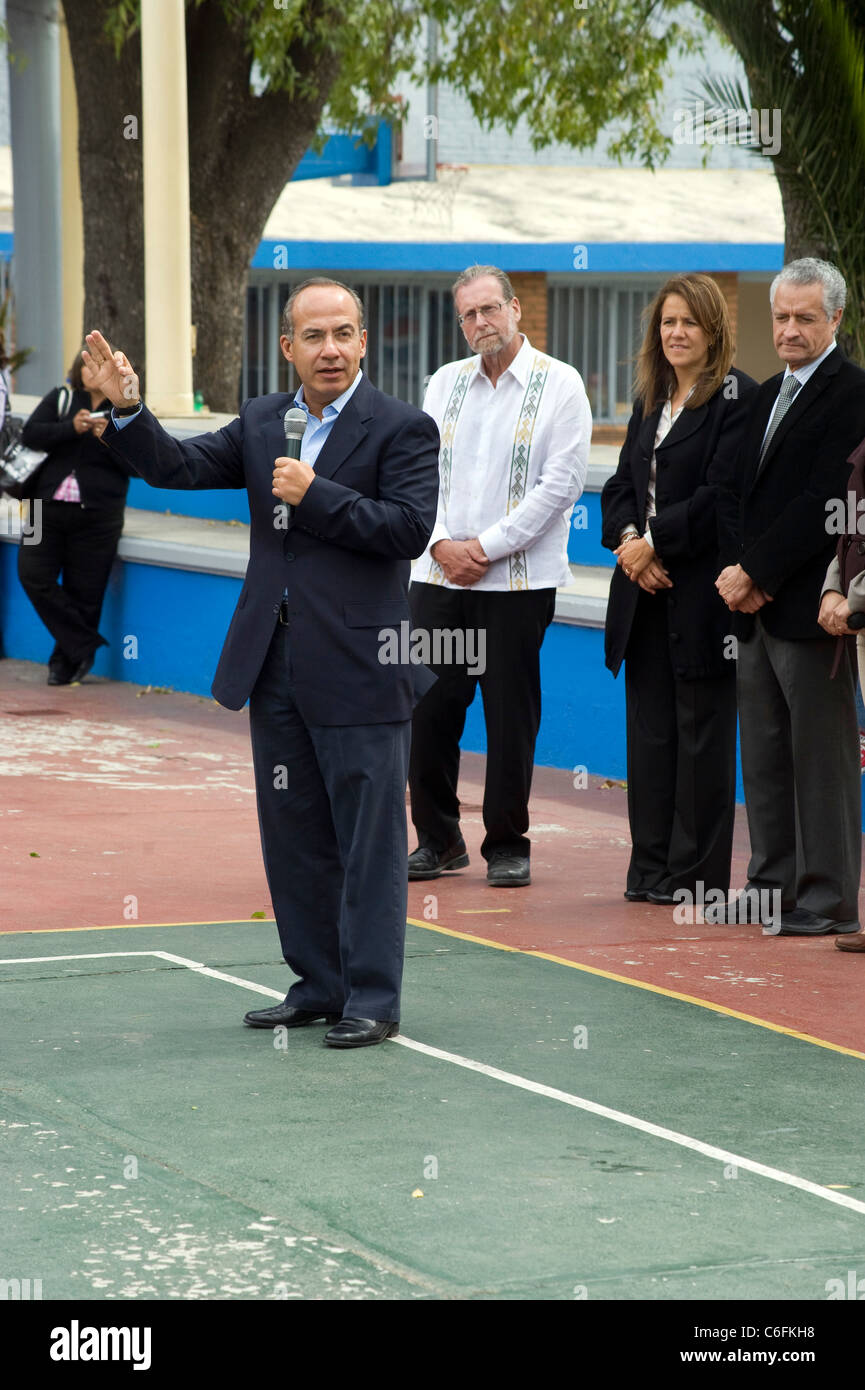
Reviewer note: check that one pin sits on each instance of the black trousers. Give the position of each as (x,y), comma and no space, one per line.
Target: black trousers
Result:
(331,809)
(513,627)
(681,764)
(79,544)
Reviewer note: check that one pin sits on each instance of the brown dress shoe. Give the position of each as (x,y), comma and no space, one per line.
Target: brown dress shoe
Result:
(851,943)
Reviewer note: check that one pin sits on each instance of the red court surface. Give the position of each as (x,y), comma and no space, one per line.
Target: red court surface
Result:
(126,806)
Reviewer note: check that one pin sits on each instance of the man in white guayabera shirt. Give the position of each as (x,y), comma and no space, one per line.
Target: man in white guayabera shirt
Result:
(515,429)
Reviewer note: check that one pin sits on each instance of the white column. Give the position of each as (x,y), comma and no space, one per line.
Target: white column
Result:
(167,285)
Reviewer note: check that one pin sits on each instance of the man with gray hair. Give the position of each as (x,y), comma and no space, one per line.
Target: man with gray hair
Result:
(798,727)
(515,429)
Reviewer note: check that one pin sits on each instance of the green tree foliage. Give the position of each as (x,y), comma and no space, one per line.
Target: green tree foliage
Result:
(806,59)
(265,74)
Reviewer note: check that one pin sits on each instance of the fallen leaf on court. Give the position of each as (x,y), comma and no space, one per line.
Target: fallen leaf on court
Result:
(257,914)
(610,782)
(34,855)
(417,1192)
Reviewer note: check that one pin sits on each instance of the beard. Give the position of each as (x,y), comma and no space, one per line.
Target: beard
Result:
(492,342)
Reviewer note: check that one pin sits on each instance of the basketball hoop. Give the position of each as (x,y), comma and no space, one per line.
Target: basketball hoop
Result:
(438,198)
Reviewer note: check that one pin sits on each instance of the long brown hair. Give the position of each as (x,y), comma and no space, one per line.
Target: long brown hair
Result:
(654,378)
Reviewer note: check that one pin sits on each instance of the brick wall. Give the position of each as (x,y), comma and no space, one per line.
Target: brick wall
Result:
(728,284)
(531,290)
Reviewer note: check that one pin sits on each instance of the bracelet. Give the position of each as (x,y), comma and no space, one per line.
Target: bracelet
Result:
(128,409)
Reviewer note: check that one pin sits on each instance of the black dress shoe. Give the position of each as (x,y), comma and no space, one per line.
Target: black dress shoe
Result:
(284,1016)
(508,870)
(801,922)
(426,863)
(749,908)
(60,671)
(654,895)
(635,895)
(361,1032)
(83,668)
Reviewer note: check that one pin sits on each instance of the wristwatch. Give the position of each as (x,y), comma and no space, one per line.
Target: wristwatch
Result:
(128,409)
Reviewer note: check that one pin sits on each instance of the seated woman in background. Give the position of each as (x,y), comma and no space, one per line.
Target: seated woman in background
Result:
(82,488)
(664,616)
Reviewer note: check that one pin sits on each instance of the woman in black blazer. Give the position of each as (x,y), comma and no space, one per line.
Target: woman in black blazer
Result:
(664,616)
(81,488)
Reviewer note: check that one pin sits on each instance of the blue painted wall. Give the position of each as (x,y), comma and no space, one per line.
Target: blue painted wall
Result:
(601,257)
(180,618)
(584,540)
(230,504)
(218,504)
(349,154)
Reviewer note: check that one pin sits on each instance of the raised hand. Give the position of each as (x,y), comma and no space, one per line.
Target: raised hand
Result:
(112,372)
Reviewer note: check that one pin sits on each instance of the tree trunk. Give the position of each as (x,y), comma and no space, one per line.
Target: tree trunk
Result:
(243,149)
(109,157)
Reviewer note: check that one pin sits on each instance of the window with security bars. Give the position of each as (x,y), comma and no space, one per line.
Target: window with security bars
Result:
(597,328)
(411,326)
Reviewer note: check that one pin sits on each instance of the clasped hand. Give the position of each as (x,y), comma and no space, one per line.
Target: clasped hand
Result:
(739,591)
(463,562)
(642,566)
(833,615)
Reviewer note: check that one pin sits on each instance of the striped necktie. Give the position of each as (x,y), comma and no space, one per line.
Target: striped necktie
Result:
(789,386)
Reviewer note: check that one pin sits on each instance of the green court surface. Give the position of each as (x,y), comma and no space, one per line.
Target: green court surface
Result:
(153,1148)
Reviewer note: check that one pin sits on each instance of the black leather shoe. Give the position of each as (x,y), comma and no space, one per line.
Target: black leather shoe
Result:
(801,922)
(749,908)
(60,671)
(361,1032)
(83,668)
(508,870)
(430,863)
(635,895)
(284,1016)
(654,895)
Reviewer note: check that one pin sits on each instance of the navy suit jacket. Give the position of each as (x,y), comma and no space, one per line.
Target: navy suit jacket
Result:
(343,555)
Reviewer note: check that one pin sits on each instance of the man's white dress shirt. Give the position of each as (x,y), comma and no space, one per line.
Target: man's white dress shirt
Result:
(802,375)
(513,461)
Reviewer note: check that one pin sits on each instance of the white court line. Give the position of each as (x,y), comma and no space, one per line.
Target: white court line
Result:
(684,1141)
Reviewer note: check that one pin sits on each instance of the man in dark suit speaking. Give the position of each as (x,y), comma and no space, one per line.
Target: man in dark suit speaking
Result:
(798,727)
(332,535)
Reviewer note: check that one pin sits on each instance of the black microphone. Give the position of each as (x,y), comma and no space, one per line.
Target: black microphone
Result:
(294,423)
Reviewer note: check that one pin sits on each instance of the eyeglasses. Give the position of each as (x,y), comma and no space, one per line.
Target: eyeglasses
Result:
(487,310)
